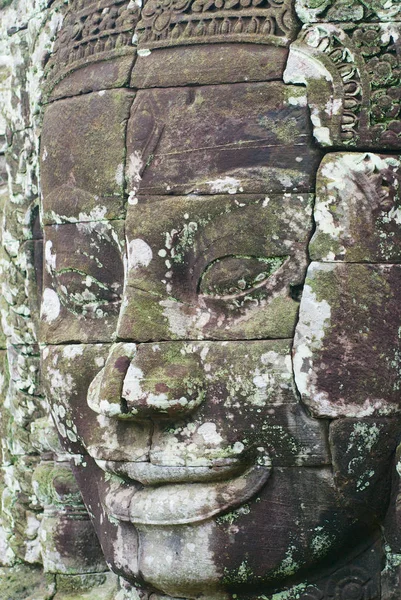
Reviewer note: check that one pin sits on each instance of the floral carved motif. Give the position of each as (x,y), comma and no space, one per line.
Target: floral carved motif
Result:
(93,31)
(310,11)
(363,64)
(177,22)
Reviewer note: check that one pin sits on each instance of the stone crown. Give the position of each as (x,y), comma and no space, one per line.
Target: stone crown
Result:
(98,30)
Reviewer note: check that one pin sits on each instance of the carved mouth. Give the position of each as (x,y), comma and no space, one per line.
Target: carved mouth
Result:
(150,474)
(181,503)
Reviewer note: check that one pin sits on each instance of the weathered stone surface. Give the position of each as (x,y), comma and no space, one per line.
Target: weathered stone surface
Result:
(279,520)
(310,11)
(250,138)
(352,73)
(200,22)
(83,157)
(262,522)
(265,521)
(102,586)
(109,74)
(68,540)
(363,454)
(391,577)
(67,372)
(238,400)
(206,65)
(225,267)
(358,209)
(346,344)
(26,583)
(20,511)
(96,44)
(82,280)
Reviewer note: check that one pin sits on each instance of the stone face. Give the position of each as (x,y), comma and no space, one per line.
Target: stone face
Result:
(230,408)
(358,209)
(346,346)
(225,267)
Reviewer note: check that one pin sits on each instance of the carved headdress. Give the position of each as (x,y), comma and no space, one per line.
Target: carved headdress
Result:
(346,51)
(100,30)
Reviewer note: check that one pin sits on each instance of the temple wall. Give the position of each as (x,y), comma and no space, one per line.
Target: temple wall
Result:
(38,494)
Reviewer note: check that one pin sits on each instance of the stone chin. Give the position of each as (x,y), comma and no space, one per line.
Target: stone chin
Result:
(257,543)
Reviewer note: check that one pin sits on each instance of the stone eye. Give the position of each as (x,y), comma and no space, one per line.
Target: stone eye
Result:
(235,275)
(78,290)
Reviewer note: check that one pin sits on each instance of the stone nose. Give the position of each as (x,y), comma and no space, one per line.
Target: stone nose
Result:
(148,381)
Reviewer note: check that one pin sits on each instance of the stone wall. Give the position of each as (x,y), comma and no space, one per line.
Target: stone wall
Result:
(40,502)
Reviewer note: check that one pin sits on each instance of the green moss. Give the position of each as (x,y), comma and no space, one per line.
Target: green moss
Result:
(322,244)
(243,574)
(278,319)
(26,583)
(286,130)
(97,586)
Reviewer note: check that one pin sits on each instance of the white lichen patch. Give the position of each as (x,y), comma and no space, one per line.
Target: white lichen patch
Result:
(135,165)
(176,316)
(51,306)
(314,318)
(119,176)
(321,132)
(139,254)
(363,437)
(208,431)
(50,259)
(134,390)
(225,185)
(73,351)
(98,213)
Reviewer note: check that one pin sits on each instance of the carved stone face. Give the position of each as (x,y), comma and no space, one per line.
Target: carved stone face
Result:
(231,403)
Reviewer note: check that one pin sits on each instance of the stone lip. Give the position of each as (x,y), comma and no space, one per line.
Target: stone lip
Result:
(151,474)
(182,503)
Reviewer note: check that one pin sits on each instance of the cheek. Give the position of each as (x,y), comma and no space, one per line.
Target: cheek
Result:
(347,362)
(67,373)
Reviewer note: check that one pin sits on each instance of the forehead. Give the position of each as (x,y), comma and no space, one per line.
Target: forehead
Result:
(234,138)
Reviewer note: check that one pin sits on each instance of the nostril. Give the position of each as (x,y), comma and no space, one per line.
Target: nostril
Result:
(104,393)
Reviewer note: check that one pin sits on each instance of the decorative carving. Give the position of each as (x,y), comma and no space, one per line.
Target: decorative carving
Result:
(352,583)
(310,11)
(178,22)
(359,101)
(93,31)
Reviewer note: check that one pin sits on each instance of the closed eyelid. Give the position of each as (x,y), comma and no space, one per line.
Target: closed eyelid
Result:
(270,265)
